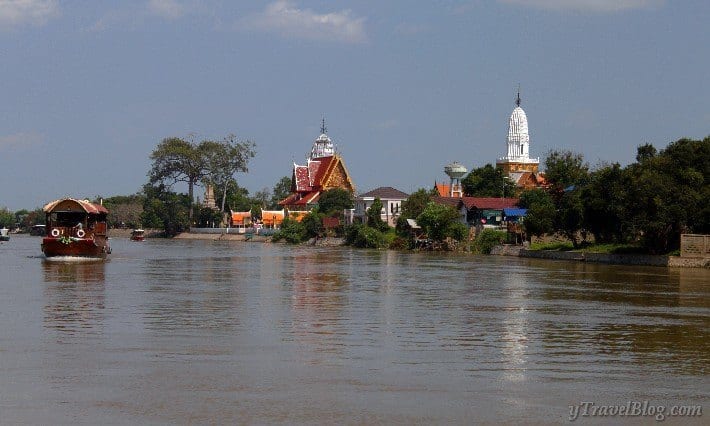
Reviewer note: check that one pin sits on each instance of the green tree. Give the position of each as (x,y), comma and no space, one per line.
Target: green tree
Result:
(374,216)
(292,231)
(313,222)
(439,221)
(565,168)
(335,201)
(165,209)
(540,217)
(262,197)
(124,209)
(645,152)
(415,204)
(570,215)
(7,218)
(487,181)
(223,159)
(177,160)
(668,194)
(281,190)
(604,201)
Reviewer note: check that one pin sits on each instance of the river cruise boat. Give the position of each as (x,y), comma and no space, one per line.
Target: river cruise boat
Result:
(3,234)
(75,228)
(137,235)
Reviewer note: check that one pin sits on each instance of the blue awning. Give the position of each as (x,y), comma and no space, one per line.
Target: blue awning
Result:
(515,212)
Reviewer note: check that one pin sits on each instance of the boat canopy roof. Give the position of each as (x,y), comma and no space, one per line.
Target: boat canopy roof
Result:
(72,205)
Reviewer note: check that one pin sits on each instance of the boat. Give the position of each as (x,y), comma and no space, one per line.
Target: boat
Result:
(75,228)
(3,234)
(38,230)
(137,235)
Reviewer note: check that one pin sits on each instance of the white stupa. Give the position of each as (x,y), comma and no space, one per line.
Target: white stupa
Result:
(517,156)
(323,145)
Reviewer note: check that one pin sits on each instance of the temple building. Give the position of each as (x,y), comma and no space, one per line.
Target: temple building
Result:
(517,163)
(324,170)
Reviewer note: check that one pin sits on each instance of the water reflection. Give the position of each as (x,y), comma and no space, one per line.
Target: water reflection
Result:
(192,293)
(74,295)
(318,300)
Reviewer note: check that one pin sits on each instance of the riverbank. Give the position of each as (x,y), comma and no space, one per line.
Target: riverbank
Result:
(612,259)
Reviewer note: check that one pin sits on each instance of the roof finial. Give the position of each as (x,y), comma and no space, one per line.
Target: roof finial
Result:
(517,100)
(323,129)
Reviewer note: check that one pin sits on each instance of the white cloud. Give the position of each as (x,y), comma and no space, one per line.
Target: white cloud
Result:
(284,18)
(602,6)
(21,140)
(169,9)
(20,12)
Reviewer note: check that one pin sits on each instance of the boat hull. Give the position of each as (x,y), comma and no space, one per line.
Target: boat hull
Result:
(4,238)
(78,247)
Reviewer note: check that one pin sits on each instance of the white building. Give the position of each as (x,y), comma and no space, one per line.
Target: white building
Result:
(391,204)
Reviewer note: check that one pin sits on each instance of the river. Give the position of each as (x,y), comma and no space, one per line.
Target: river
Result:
(195,332)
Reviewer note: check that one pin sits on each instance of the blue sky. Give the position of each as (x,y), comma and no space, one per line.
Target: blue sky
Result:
(88,89)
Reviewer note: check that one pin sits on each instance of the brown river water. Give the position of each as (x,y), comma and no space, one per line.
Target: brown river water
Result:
(205,332)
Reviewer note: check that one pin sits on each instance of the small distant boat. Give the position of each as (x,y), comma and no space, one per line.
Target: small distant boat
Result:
(38,230)
(75,228)
(3,234)
(137,235)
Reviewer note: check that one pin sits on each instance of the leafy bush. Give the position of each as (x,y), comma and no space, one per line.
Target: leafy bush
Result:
(292,231)
(369,238)
(487,239)
(400,243)
(362,236)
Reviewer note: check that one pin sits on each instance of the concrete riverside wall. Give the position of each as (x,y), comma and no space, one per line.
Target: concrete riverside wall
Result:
(618,259)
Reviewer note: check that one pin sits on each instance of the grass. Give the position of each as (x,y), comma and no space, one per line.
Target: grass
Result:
(591,248)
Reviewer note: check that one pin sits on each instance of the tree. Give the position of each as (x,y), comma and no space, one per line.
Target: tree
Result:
(262,197)
(224,159)
(570,215)
(645,152)
(565,168)
(281,190)
(165,209)
(374,216)
(7,218)
(124,210)
(487,181)
(313,222)
(178,160)
(335,200)
(292,231)
(439,221)
(604,201)
(668,194)
(540,217)
(415,204)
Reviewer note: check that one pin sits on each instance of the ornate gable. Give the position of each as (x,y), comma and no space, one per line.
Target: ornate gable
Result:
(337,176)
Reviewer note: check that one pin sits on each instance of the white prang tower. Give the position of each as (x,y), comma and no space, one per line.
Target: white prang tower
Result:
(517,158)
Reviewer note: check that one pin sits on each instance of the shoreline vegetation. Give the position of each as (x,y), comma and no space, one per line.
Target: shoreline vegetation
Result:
(602,254)
(607,212)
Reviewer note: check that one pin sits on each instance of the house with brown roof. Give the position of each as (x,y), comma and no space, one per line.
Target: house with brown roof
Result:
(324,170)
(391,199)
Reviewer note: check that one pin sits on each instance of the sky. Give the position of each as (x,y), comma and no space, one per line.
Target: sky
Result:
(88,89)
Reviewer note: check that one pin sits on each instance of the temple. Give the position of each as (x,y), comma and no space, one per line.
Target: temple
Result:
(324,170)
(517,163)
